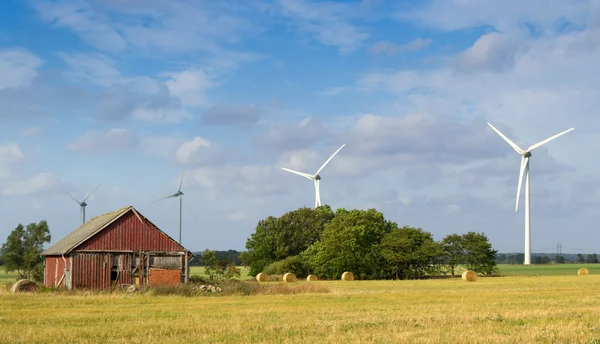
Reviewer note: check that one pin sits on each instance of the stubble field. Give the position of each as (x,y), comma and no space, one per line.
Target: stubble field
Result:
(520,309)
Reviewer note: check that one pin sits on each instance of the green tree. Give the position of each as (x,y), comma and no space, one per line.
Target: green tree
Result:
(479,254)
(580,258)
(218,269)
(409,252)
(454,251)
(279,238)
(22,249)
(593,258)
(351,242)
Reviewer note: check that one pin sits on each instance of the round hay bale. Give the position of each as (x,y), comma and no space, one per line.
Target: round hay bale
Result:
(24,286)
(469,275)
(262,277)
(312,278)
(289,277)
(347,276)
(583,272)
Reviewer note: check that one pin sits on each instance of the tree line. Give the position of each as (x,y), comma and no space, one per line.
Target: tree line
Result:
(326,243)
(518,258)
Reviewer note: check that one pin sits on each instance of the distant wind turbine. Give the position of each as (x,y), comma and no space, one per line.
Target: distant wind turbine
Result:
(179,194)
(315,177)
(83,204)
(525,155)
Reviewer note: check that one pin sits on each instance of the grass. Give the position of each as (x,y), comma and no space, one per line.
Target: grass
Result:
(492,310)
(546,269)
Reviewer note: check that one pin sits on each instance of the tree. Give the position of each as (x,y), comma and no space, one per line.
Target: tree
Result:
(501,258)
(593,258)
(409,252)
(218,269)
(580,258)
(479,254)
(22,249)
(278,238)
(537,260)
(351,242)
(559,259)
(454,251)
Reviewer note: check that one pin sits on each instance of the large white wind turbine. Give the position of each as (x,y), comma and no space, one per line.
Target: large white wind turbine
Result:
(525,155)
(82,204)
(315,177)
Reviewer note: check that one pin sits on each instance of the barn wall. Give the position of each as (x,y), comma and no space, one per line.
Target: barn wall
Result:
(129,233)
(54,271)
(91,271)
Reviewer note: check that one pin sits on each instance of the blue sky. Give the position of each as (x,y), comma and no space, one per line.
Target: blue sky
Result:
(123,93)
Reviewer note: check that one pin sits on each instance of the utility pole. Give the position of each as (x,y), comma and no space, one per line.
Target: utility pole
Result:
(558,251)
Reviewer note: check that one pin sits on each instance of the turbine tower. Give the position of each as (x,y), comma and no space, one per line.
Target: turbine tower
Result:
(525,155)
(315,177)
(179,194)
(82,204)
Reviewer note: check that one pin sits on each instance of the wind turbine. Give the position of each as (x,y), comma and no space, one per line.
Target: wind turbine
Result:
(315,177)
(525,155)
(179,194)
(83,204)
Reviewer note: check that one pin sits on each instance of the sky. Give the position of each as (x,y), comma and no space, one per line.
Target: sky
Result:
(129,94)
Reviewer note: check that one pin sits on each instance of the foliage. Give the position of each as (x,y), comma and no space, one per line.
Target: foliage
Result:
(278,238)
(294,264)
(454,252)
(230,256)
(479,254)
(409,252)
(217,269)
(351,242)
(22,249)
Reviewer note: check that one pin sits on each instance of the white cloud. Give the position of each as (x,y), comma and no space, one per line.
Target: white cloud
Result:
(80,17)
(18,68)
(32,131)
(384,47)
(115,139)
(200,151)
(190,86)
(330,23)
(41,182)
(508,15)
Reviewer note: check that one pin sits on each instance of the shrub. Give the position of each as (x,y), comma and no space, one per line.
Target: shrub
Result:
(293,264)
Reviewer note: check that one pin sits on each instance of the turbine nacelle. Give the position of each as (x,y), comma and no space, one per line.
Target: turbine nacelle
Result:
(527,154)
(317,177)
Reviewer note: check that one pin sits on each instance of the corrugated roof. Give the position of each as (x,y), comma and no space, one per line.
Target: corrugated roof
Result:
(84,232)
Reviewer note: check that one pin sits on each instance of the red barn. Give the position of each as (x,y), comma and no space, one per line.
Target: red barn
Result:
(116,249)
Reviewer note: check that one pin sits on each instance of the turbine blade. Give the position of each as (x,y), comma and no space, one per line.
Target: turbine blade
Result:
(74,199)
(181,182)
(305,175)
(512,144)
(548,140)
(188,207)
(328,160)
(160,199)
(318,193)
(316,182)
(88,196)
(524,162)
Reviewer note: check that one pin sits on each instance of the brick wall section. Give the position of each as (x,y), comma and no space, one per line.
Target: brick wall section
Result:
(164,277)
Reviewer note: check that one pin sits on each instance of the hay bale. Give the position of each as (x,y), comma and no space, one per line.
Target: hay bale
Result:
(24,286)
(469,275)
(289,277)
(347,276)
(583,272)
(262,277)
(312,278)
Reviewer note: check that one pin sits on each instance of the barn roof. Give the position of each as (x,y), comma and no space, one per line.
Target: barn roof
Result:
(88,230)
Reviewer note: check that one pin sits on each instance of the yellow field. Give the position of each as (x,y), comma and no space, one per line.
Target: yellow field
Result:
(492,310)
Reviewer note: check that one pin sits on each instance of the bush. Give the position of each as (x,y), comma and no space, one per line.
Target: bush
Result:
(293,264)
